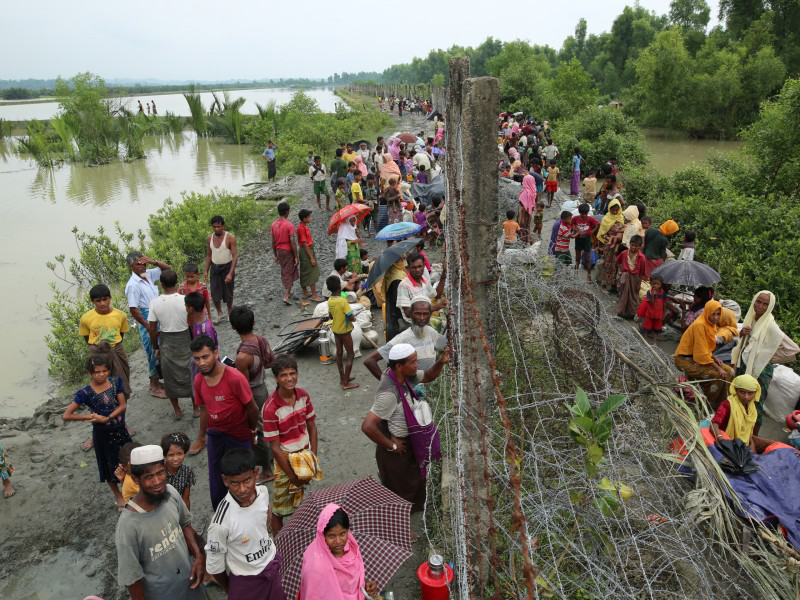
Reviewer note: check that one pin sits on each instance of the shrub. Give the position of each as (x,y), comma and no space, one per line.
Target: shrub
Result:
(177,234)
(602,133)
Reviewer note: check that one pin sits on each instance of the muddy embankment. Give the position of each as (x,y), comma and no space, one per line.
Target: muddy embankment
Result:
(58,530)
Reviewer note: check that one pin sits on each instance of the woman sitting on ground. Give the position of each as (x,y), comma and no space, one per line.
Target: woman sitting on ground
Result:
(737,414)
(332,565)
(759,342)
(695,355)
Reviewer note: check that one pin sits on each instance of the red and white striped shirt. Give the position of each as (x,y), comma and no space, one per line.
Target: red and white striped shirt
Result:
(288,423)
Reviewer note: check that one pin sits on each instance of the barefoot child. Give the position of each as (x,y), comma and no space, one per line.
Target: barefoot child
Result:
(651,310)
(307,257)
(179,475)
(510,228)
(105,398)
(562,238)
(538,219)
(291,429)
(192,283)
(342,316)
(584,227)
(552,182)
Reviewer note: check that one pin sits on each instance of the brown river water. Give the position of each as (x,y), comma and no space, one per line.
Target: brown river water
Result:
(41,207)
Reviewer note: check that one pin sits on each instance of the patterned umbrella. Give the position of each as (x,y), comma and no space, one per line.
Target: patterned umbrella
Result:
(351,210)
(379,520)
(398,231)
(688,273)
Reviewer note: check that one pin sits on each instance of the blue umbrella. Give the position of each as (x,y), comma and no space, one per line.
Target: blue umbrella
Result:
(398,231)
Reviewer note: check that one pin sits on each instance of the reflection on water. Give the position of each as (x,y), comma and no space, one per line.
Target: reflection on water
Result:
(670,151)
(42,205)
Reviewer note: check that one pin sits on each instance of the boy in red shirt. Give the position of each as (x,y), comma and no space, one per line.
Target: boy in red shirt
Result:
(583,228)
(290,428)
(228,412)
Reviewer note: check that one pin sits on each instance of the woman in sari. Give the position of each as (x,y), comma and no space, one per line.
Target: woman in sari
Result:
(347,245)
(630,263)
(736,415)
(695,357)
(527,201)
(760,338)
(610,235)
(332,565)
(390,170)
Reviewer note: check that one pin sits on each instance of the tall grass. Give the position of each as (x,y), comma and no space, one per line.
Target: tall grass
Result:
(5,128)
(198,113)
(133,129)
(174,123)
(37,145)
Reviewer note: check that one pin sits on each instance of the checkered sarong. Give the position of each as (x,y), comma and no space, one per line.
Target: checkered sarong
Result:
(286,496)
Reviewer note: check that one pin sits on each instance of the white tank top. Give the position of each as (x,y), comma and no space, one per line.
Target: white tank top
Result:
(221,255)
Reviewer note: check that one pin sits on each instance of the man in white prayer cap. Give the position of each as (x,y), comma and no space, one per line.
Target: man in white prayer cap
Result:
(385,423)
(154,536)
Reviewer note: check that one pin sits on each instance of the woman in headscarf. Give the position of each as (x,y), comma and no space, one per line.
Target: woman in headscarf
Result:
(655,245)
(332,565)
(633,226)
(610,235)
(394,149)
(347,245)
(737,414)
(361,166)
(527,202)
(695,355)
(630,264)
(389,170)
(760,339)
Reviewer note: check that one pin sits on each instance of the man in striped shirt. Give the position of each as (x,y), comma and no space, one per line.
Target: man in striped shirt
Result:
(290,428)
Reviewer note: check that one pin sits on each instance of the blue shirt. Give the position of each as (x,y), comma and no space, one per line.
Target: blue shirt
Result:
(269,152)
(140,291)
(576,163)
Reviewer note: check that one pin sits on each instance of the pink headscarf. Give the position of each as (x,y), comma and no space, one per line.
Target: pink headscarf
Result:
(528,196)
(325,577)
(361,166)
(394,148)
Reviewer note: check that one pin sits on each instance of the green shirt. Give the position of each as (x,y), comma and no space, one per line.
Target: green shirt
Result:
(339,167)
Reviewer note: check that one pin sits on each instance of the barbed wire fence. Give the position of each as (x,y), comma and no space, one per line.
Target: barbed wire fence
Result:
(513,503)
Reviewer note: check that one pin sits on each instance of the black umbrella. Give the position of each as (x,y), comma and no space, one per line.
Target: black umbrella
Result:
(687,272)
(387,258)
(736,457)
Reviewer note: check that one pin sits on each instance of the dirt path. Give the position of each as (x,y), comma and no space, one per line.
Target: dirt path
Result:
(58,530)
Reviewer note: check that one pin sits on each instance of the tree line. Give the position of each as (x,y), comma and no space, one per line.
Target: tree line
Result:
(667,71)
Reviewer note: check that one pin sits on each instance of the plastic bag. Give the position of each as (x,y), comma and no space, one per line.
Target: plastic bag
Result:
(783,393)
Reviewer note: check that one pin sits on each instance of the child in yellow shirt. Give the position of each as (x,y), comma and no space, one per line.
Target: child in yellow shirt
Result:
(342,316)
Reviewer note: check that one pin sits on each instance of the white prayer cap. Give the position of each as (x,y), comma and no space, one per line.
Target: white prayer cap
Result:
(401,351)
(144,455)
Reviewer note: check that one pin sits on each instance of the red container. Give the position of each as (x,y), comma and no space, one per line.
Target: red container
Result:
(435,583)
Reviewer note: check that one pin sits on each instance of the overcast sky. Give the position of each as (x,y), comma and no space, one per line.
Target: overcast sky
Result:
(238,39)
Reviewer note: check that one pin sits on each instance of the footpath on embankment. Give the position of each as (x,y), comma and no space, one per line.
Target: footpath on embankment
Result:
(58,530)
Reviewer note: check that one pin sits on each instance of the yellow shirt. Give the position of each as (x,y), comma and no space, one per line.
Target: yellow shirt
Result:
(590,185)
(355,192)
(552,174)
(338,309)
(129,488)
(348,158)
(104,328)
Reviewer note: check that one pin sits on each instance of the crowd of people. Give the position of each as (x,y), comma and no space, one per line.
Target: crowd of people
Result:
(254,437)
(617,237)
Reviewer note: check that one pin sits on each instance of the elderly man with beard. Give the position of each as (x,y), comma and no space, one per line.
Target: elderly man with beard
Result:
(424,338)
(154,536)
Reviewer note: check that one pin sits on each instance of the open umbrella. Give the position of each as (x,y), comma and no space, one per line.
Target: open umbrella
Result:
(387,258)
(380,520)
(351,210)
(407,138)
(398,231)
(687,272)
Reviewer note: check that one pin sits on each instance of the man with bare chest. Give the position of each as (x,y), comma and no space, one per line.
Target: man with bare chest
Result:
(221,259)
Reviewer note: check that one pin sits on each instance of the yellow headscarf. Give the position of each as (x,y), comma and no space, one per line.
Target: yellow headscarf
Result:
(669,227)
(742,420)
(609,220)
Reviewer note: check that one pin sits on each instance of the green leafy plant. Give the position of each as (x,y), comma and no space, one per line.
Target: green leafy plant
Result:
(198,118)
(591,428)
